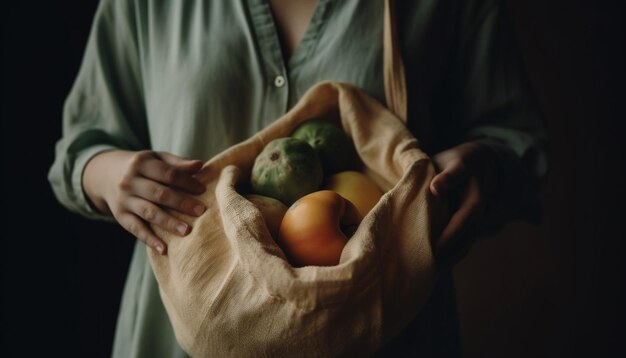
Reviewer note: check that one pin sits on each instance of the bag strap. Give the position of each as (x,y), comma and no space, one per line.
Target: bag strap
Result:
(394,77)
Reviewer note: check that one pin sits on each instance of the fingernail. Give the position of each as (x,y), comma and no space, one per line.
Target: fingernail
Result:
(182,228)
(198,209)
(159,248)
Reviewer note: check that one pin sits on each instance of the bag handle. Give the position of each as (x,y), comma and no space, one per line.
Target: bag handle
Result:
(394,77)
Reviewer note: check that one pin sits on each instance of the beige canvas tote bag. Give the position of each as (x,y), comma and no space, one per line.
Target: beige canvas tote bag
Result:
(227,287)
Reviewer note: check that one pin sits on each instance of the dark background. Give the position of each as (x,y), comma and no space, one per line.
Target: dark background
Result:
(549,290)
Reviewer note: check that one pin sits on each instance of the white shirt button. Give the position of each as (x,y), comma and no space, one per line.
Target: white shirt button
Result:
(279,81)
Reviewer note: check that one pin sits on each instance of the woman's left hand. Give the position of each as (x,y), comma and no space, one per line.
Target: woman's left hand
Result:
(467,174)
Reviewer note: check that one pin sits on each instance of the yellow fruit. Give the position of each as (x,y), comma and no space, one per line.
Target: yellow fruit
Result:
(357,188)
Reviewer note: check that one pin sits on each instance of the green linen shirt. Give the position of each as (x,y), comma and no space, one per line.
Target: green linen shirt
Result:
(195,77)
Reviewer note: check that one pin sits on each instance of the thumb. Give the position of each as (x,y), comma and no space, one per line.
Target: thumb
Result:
(451,177)
(180,163)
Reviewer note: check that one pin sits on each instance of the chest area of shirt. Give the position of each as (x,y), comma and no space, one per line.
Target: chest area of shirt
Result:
(238,44)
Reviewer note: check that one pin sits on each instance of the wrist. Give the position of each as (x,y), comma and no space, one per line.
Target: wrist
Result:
(96,179)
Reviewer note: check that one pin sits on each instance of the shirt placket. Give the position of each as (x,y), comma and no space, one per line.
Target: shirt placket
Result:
(275,71)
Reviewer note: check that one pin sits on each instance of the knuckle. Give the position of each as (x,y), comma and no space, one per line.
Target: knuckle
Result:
(185,204)
(133,228)
(459,164)
(171,175)
(160,194)
(172,224)
(150,241)
(125,182)
(139,158)
(149,213)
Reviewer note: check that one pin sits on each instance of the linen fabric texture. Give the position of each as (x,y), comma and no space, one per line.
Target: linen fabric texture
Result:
(228,288)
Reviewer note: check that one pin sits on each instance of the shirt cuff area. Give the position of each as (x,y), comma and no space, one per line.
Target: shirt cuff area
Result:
(528,148)
(81,200)
(516,196)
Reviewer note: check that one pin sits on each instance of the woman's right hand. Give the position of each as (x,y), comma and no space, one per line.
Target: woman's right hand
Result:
(135,187)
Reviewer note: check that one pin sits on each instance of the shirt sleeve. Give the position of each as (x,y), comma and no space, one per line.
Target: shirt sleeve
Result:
(499,110)
(105,107)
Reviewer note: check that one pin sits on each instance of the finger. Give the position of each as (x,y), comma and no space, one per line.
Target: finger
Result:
(463,220)
(153,214)
(166,196)
(133,224)
(169,175)
(452,176)
(185,164)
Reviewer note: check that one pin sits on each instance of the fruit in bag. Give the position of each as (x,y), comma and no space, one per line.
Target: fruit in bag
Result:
(333,146)
(357,188)
(286,169)
(315,229)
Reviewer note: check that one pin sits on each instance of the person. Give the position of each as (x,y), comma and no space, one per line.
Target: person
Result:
(165,81)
